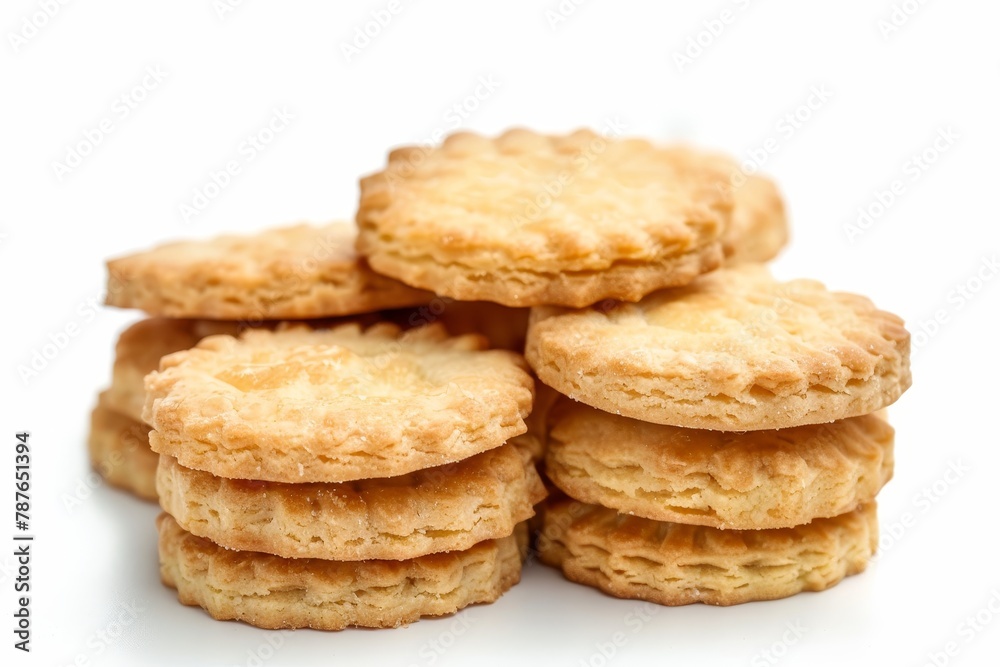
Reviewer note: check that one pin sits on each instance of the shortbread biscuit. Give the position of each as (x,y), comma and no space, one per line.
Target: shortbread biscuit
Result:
(678,564)
(140,348)
(526,219)
(296,272)
(735,351)
(751,480)
(119,451)
(337,405)
(273,592)
(759,228)
(448,508)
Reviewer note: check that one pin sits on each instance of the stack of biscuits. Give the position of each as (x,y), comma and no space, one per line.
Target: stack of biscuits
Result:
(716,433)
(320,472)
(735,452)
(709,433)
(337,477)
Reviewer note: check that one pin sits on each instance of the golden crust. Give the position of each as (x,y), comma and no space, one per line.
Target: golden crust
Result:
(119,451)
(734,351)
(449,508)
(526,219)
(752,480)
(299,405)
(676,564)
(272,592)
(296,272)
(140,348)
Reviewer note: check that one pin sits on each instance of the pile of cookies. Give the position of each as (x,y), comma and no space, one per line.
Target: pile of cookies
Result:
(713,434)
(735,451)
(319,473)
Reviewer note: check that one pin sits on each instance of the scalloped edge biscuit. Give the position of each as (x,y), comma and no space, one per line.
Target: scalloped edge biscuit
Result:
(746,481)
(119,450)
(734,351)
(265,407)
(449,508)
(272,592)
(655,220)
(296,272)
(675,564)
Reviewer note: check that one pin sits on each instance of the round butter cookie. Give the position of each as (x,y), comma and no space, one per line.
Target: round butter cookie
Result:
(272,592)
(119,451)
(296,272)
(677,564)
(736,350)
(746,481)
(299,405)
(527,219)
(448,508)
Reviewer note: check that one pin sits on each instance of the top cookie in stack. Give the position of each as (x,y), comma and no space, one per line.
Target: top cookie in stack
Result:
(530,220)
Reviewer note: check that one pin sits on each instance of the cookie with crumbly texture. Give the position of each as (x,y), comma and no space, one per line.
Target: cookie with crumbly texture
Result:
(140,348)
(296,272)
(736,350)
(526,219)
(119,451)
(677,564)
(746,481)
(272,592)
(759,228)
(299,405)
(448,508)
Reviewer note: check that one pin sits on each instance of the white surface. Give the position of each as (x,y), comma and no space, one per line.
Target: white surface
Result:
(224,77)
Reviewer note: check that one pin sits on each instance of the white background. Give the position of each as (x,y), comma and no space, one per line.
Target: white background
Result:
(885,98)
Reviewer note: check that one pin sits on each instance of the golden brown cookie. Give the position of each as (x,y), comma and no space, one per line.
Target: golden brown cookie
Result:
(678,564)
(751,480)
(735,351)
(759,228)
(335,405)
(140,348)
(119,451)
(527,219)
(448,508)
(296,272)
(272,592)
